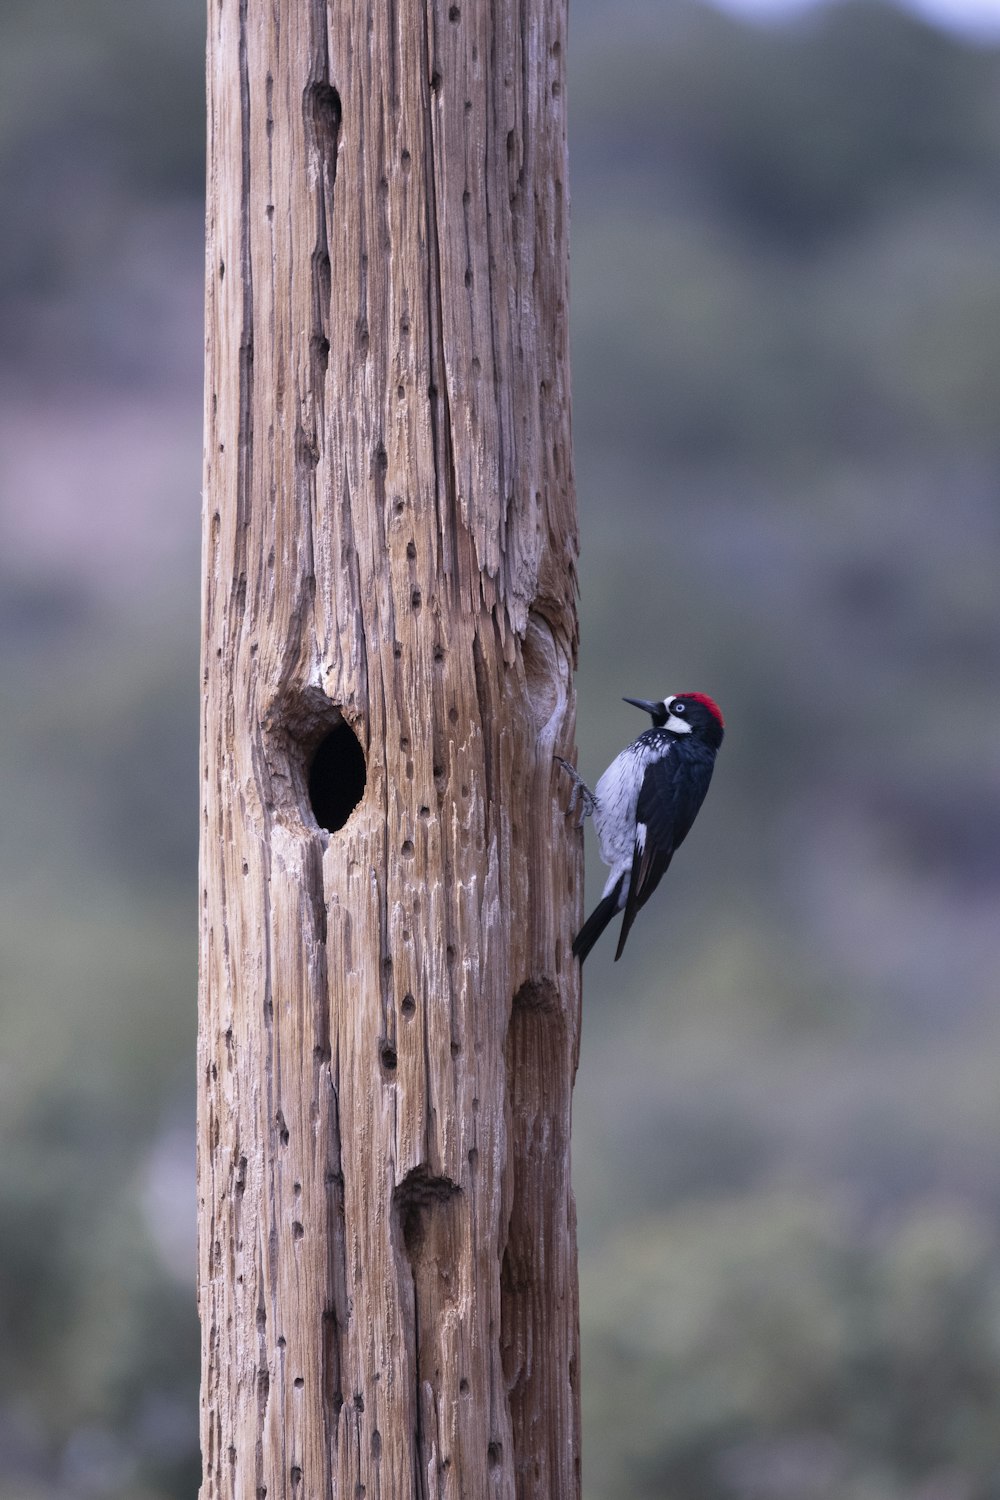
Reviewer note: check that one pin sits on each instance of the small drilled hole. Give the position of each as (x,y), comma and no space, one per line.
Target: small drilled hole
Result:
(388,1057)
(408,1005)
(336,777)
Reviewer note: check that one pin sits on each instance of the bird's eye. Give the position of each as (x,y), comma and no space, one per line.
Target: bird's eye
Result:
(678,708)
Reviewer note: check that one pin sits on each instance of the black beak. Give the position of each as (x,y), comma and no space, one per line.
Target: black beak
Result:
(653,709)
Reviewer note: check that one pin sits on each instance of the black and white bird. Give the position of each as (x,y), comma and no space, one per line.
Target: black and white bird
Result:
(645,803)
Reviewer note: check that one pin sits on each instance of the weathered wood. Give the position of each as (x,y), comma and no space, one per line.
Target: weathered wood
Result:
(389,1011)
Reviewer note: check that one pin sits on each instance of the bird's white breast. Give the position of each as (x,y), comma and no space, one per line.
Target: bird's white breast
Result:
(617,793)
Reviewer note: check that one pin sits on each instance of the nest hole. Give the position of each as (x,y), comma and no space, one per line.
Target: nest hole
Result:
(336,777)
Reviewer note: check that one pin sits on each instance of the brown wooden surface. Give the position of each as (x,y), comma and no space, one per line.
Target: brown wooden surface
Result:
(389,1012)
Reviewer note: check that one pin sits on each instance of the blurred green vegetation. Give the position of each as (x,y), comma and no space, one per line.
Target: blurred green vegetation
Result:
(786,335)
(768,1345)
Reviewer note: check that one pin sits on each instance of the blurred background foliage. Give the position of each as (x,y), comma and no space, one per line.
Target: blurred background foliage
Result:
(786,335)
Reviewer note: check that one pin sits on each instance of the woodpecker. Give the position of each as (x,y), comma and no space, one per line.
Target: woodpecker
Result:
(645,803)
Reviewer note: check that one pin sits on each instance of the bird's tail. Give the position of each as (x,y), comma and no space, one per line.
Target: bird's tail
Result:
(595,924)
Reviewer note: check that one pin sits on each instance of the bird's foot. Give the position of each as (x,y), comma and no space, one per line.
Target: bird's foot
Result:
(581,792)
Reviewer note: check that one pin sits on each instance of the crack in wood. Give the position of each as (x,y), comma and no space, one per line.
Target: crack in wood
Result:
(245,432)
(424,1212)
(445,477)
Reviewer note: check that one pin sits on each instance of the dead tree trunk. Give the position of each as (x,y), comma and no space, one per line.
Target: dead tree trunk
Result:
(389,1008)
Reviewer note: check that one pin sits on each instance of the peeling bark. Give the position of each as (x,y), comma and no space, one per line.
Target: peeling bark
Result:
(389,1011)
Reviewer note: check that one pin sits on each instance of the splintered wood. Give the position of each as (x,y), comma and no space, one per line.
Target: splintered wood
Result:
(389,1007)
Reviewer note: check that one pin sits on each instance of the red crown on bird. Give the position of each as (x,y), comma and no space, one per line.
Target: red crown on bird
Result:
(708,703)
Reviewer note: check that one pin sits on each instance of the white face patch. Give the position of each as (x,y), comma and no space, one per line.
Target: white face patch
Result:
(674,723)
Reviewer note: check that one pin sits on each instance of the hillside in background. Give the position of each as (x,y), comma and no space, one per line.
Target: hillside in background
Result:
(786,345)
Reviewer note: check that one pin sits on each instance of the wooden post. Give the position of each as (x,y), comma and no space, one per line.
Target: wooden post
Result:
(389,1007)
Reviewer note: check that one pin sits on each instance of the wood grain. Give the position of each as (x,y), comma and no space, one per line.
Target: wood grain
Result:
(389,1014)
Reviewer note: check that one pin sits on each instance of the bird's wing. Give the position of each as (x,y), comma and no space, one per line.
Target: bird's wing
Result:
(671,793)
(654,843)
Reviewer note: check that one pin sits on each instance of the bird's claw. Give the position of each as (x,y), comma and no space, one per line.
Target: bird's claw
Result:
(581,792)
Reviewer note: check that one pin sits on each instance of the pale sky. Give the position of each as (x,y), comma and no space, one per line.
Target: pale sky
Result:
(972,17)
